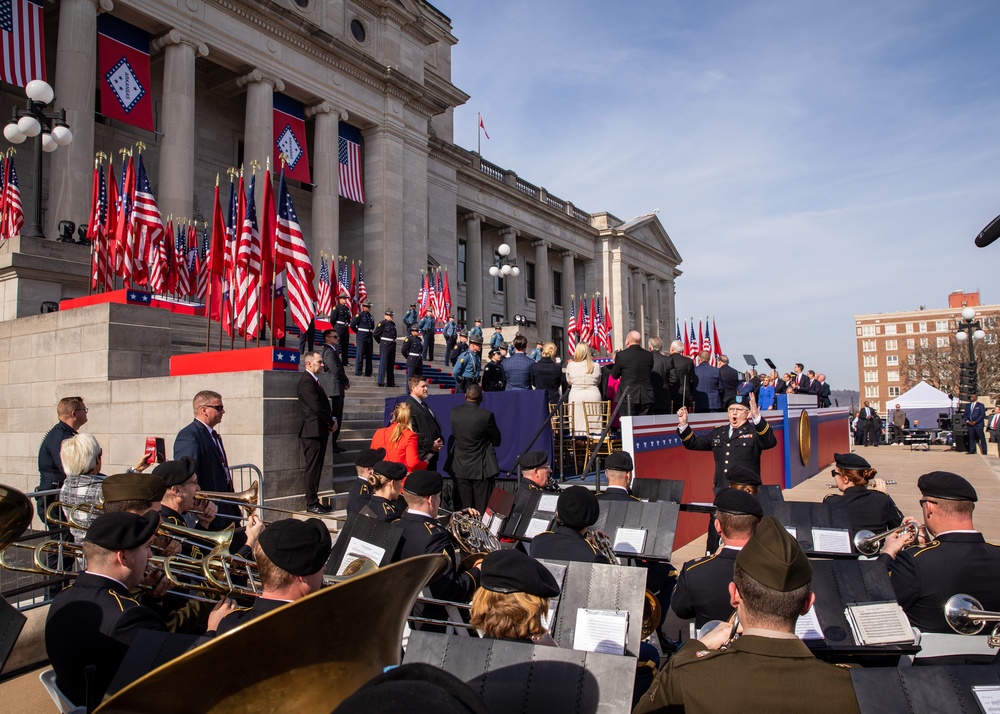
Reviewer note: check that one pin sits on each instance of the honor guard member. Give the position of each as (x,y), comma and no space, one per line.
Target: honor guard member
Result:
(494,377)
(341,319)
(739,443)
(291,559)
(535,477)
(702,591)
(957,560)
(410,318)
(385,335)
(362,325)
(618,470)
(361,491)
(181,483)
(477,329)
(462,346)
(467,367)
(450,334)
(576,510)
(413,350)
(867,508)
(427,323)
(777,672)
(496,339)
(386,482)
(536,354)
(91,624)
(422,534)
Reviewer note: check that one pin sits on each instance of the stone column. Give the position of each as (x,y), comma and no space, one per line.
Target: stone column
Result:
(258,139)
(511,284)
(543,291)
(71,167)
(474,297)
(326,179)
(667,306)
(569,281)
(638,309)
(176,189)
(653,287)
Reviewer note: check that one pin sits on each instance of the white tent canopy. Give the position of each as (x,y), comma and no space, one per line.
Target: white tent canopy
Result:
(923,402)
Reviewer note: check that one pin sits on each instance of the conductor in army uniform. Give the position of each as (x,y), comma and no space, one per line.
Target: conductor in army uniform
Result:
(385,335)
(775,670)
(341,319)
(362,325)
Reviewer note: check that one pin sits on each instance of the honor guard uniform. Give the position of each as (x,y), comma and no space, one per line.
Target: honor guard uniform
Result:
(413,349)
(422,534)
(496,339)
(361,491)
(467,367)
(450,334)
(576,510)
(362,325)
(341,319)
(427,323)
(410,318)
(385,335)
(380,508)
(477,328)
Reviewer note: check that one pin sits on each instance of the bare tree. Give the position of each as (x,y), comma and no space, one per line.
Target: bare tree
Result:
(939,366)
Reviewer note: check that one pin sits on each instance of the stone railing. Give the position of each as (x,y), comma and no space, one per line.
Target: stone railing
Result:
(509,178)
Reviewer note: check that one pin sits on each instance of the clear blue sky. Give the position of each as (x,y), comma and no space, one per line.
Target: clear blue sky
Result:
(810,160)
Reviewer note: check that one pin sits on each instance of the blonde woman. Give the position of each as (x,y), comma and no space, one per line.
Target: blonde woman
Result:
(583,376)
(514,598)
(399,441)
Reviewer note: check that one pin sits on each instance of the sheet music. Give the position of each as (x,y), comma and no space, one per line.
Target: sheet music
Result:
(535,526)
(602,631)
(547,502)
(831,540)
(791,530)
(807,627)
(488,518)
(879,623)
(630,540)
(988,698)
(357,548)
(496,524)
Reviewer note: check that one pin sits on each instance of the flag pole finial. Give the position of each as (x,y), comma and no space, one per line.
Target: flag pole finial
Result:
(140,146)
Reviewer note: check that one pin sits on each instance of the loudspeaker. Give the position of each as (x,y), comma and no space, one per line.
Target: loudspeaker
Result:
(960,441)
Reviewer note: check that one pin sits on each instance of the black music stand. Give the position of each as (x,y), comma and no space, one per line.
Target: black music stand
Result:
(530,679)
(804,516)
(370,530)
(657,489)
(498,510)
(921,690)
(149,650)
(541,507)
(11,623)
(659,520)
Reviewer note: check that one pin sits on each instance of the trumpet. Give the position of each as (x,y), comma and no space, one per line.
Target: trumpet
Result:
(868,543)
(966,616)
(247,500)
(887,483)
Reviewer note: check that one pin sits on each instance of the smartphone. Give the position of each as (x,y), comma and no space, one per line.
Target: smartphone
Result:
(156,450)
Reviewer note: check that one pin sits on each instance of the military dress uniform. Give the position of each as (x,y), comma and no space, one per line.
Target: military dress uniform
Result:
(616,493)
(341,319)
(383,509)
(702,591)
(413,349)
(172,517)
(358,496)
(363,324)
(427,332)
(564,543)
(385,335)
(867,509)
(243,615)
(743,448)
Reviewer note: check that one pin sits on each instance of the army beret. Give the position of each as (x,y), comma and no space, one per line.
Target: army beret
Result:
(851,462)
(619,461)
(133,487)
(577,507)
(424,483)
(738,502)
(511,571)
(392,470)
(175,472)
(946,485)
(739,401)
(533,459)
(297,547)
(369,457)
(463,333)
(743,475)
(123,530)
(476,339)
(425,688)
(388,311)
(774,558)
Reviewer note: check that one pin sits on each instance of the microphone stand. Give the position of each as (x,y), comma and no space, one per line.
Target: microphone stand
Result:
(538,432)
(602,437)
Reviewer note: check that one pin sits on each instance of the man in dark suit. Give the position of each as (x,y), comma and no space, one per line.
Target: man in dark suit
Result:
(317,423)
(708,386)
(975,415)
(730,379)
(201,442)
(780,385)
(424,423)
(993,425)
(822,391)
(867,426)
(334,381)
(660,377)
(680,378)
(633,366)
(473,459)
(801,379)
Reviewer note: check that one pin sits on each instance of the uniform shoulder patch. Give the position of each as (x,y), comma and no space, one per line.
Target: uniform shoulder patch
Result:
(702,561)
(918,549)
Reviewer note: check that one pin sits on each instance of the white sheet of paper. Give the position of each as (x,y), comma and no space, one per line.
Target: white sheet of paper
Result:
(879,623)
(791,530)
(496,524)
(988,698)
(488,518)
(630,540)
(547,503)
(550,616)
(357,548)
(831,540)
(535,526)
(601,631)
(807,627)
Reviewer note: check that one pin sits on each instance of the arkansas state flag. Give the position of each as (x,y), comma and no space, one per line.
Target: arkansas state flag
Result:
(290,137)
(123,68)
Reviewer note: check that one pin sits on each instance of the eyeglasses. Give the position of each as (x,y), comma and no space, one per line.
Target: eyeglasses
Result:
(834,472)
(216,407)
(81,409)
(925,501)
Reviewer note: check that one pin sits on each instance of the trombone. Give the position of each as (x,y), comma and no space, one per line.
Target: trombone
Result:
(966,616)
(248,501)
(868,543)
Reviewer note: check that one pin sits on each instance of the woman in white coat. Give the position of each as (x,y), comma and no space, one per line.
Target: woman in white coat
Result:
(583,377)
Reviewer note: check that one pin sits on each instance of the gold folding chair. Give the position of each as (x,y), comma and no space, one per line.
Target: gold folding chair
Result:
(562,423)
(597,415)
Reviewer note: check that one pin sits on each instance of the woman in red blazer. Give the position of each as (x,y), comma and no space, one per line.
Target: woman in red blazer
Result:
(399,441)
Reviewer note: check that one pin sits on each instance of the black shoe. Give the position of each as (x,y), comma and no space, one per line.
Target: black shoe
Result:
(337,449)
(320,509)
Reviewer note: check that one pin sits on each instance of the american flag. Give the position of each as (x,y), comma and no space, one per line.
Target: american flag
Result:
(248,275)
(13,210)
(344,280)
(571,327)
(325,306)
(585,331)
(352,183)
(202,266)
(601,327)
(97,232)
(148,228)
(248,251)
(362,290)
(706,343)
(694,346)
(431,296)
(183,281)
(440,309)
(290,248)
(22,41)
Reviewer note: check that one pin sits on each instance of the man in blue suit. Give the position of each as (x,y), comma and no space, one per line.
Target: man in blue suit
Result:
(201,442)
(708,387)
(517,367)
(975,416)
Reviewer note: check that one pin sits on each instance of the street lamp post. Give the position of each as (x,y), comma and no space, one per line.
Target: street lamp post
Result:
(505,267)
(31,122)
(969,331)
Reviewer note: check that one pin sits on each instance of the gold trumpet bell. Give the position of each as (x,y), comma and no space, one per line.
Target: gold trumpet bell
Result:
(218,539)
(247,499)
(327,651)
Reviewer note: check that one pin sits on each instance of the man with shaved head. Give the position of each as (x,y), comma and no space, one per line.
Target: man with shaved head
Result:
(633,366)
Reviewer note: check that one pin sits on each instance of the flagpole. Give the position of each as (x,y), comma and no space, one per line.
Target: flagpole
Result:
(208,296)
(479,133)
